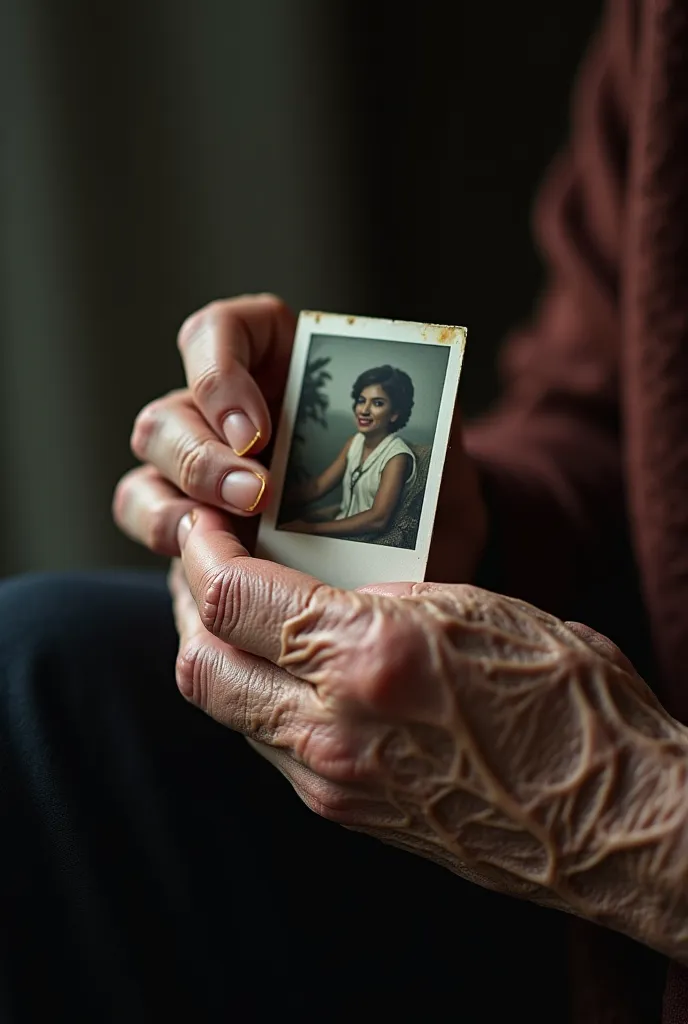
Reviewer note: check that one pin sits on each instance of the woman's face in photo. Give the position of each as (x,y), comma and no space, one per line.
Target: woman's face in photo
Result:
(373,411)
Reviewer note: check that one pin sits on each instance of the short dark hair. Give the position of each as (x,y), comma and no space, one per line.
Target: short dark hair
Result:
(398,386)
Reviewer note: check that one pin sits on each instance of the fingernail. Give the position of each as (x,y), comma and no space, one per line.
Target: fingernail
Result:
(243,489)
(184,528)
(240,432)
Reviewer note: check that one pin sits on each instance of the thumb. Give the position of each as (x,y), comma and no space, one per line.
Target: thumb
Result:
(242,600)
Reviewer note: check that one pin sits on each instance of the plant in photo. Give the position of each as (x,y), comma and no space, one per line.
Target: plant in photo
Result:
(313,408)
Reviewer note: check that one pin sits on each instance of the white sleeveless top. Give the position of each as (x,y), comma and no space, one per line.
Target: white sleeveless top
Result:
(362,480)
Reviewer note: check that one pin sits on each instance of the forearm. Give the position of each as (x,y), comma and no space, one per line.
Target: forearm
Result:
(362,523)
(323,515)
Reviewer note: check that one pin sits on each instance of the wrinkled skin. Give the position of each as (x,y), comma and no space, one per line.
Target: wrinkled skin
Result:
(463,726)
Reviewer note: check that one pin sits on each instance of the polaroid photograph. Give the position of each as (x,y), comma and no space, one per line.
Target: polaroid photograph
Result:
(360,448)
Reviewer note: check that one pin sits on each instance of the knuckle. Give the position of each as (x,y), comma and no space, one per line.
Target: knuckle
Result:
(120,499)
(195,322)
(391,653)
(275,303)
(127,494)
(145,427)
(333,753)
(195,465)
(206,385)
(219,309)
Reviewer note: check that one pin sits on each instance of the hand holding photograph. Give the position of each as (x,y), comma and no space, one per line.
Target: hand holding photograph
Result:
(360,448)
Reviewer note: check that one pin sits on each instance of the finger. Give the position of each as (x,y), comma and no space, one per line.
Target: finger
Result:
(148,509)
(244,601)
(173,436)
(347,804)
(236,357)
(239,691)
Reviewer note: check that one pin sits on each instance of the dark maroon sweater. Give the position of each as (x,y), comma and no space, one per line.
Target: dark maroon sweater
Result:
(594,424)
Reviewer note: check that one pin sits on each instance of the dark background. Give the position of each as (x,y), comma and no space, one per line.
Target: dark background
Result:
(158,155)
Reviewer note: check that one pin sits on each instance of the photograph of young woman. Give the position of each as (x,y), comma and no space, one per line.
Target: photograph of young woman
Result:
(374,467)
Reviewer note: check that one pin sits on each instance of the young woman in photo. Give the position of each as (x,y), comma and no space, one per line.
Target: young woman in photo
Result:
(374,466)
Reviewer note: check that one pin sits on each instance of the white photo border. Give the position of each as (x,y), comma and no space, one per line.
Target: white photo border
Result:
(334,560)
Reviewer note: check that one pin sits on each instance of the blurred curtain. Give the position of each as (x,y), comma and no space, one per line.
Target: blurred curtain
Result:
(156,155)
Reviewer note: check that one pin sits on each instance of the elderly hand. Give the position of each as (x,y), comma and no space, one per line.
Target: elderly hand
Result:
(198,445)
(466,727)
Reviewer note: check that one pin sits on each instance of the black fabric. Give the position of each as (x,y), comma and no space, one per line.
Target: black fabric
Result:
(154,867)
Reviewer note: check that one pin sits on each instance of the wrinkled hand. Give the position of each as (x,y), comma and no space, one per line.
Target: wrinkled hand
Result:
(199,445)
(466,727)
